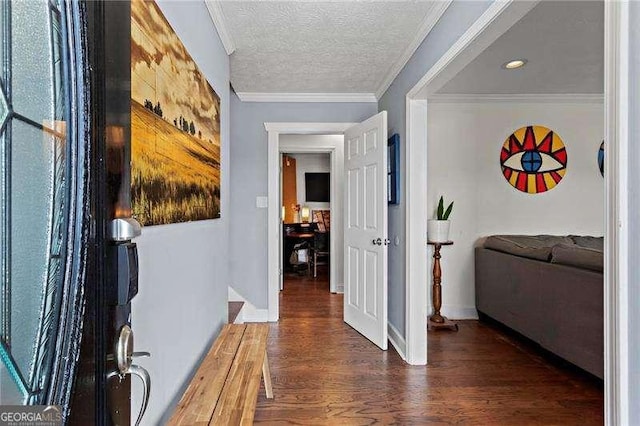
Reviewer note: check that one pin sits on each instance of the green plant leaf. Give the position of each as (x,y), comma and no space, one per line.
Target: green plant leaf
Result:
(448,212)
(440,209)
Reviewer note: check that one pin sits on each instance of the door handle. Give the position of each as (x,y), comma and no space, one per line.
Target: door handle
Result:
(124,360)
(377,242)
(143,375)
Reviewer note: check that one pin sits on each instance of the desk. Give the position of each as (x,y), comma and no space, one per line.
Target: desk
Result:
(299,235)
(437,321)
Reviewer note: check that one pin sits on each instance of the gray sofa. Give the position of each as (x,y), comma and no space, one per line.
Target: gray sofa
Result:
(549,289)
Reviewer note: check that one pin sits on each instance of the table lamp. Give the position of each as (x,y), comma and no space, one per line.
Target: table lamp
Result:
(305,214)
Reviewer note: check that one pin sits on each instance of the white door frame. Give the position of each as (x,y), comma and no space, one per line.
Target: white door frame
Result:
(616,260)
(498,18)
(274,224)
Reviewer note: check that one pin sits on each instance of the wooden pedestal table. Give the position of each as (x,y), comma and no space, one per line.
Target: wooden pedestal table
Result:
(437,321)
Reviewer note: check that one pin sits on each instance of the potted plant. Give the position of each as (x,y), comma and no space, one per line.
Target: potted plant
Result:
(438,229)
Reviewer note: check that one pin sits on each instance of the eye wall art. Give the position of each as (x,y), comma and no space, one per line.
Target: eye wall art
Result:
(533,159)
(601,158)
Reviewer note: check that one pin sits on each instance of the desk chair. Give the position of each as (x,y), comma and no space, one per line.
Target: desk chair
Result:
(301,255)
(320,249)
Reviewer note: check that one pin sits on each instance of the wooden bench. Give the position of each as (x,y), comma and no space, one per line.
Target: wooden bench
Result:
(224,390)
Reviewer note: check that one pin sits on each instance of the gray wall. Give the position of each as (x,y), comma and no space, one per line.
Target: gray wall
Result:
(455,21)
(634,208)
(184,268)
(248,245)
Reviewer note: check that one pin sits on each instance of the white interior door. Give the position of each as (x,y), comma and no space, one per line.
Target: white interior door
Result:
(365,236)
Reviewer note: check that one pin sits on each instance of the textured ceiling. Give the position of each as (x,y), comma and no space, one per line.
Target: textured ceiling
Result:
(564,44)
(319,47)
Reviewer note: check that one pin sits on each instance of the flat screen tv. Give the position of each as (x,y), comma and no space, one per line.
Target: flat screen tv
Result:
(317,187)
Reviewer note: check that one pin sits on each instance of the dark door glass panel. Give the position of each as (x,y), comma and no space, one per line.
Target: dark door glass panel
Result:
(32,48)
(9,388)
(31,196)
(35,196)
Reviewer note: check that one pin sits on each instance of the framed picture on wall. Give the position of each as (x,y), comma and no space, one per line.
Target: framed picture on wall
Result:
(393,168)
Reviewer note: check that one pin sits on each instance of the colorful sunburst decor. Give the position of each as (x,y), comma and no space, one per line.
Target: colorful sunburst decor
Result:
(533,159)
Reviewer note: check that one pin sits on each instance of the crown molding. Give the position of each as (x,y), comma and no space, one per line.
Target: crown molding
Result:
(429,22)
(575,98)
(215,11)
(306,97)
(308,128)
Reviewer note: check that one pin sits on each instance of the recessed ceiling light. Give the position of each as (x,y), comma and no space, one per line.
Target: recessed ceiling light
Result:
(515,64)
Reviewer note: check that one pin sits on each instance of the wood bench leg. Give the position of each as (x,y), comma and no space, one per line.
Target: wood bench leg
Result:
(266,376)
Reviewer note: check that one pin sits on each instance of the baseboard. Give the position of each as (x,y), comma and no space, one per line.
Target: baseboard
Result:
(456,312)
(340,288)
(254,315)
(248,313)
(397,341)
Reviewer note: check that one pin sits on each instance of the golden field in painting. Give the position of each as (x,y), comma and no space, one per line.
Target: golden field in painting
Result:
(175,126)
(174,177)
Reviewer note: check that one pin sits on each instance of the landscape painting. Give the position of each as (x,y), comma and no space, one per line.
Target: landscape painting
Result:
(175,126)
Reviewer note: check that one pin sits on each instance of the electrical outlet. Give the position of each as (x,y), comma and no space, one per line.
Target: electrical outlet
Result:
(262,202)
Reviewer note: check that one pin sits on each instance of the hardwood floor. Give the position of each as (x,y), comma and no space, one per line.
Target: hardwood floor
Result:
(324,372)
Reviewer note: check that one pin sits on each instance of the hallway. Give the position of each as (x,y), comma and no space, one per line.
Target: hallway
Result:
(324,372)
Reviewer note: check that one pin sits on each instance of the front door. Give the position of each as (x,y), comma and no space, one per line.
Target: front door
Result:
(365,263)
(47,227)
(65,284)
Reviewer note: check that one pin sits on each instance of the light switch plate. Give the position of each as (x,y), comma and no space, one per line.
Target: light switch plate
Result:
(262,202)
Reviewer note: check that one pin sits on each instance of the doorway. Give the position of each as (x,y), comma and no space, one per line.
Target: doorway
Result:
(306,207)
(322,138)
(495,22)
(365,221)
(317,152)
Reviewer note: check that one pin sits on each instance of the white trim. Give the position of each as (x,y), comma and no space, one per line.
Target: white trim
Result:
(336,151)
(306,97)
(308,128)
(234,296)
(416,233)
(273,211)
(217,16)
(248,312)
(340,288)
(581,98)
(273,226)
(616,280)
(430,21)
(498,17)
(456,312)
(251,314)
(396,339)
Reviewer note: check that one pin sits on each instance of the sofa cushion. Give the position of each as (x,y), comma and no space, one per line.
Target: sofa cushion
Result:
(578,256)
(595,243)
(531,246)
